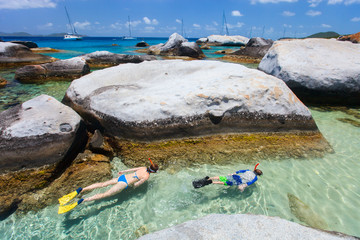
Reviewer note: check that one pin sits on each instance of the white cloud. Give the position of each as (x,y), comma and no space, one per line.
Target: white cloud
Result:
(346,2)
(215,23)
(288,14)
(178,21)
(47,25)
(325,25)
(314,3)
(148,21)
(82,25)
(355,19)
(313,13)
(133,23)
(24,4)
(236,13)
(149,29)
(196,25)
(237,25)
(287,26)
(271,1)
(116,26)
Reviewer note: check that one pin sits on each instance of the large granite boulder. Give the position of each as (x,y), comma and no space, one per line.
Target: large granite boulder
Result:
(223,40)
(61,70)
(242,226)
(317,70)
(40,132)
(101,59)
(165,100)
(12,54)
(177,45)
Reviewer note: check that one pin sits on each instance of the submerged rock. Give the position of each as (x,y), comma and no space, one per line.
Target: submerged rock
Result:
(3,82)
(68,69)
(242,226)
(304,213)
(317,70)
(40,132)
(166,100)
(86,169)
(223,40)
(101,59)
(12,54)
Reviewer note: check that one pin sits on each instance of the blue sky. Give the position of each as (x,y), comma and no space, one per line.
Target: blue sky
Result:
(160,18)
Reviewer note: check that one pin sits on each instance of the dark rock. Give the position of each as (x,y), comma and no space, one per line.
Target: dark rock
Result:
(256,48)
(354,38)
(142,44)
(12,54)
(60,70)
(189,49)
(28,44)
(98,144)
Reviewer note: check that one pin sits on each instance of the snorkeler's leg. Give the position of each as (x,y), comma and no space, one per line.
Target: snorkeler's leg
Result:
(118,187)
(216,180)
(101,184)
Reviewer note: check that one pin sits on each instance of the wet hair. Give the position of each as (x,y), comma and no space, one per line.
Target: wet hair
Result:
(258,172)
(153,168)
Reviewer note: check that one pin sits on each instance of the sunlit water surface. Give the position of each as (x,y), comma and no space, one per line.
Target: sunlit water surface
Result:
(330,186)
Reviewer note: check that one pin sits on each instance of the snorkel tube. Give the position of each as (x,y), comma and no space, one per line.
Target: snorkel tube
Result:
(152,164)
(255,165)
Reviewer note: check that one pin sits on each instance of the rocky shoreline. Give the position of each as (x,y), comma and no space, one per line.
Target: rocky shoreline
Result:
(172,110)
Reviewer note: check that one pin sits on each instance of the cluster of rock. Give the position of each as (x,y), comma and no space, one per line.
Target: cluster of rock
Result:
(243,226)
(177,46)
(131,105)
(223,40)
(76,67)
(317,70)
(12,54)
(3,82)
(253,52)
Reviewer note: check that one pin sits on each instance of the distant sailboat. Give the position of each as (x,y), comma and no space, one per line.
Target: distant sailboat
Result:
(129,37)
(74,35)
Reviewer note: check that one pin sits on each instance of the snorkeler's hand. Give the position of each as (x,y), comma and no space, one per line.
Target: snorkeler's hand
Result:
(121,172)
(242,187)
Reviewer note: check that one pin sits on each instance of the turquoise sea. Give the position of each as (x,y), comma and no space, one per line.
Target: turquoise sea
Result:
(330,186)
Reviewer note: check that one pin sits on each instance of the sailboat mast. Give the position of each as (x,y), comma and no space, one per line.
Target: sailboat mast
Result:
(71,25)
(224,24)
(129,26)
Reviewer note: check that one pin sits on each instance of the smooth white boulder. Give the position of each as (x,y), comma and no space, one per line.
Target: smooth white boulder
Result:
(39,132)
(174,98)
(224,40)
(242,226)
(324,67)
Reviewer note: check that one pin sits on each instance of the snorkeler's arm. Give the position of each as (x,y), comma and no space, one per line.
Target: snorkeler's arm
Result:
(139,182)
(129,170)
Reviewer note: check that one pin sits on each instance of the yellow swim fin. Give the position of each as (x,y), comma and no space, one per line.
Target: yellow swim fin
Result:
(64,209)
(65,199)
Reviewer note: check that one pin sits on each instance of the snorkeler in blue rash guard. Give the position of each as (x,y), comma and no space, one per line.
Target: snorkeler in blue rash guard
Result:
(242,179)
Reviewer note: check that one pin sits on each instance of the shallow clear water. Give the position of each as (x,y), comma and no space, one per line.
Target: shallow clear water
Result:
(330,186)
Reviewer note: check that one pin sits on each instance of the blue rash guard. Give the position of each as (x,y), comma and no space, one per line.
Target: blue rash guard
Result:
(241,176)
